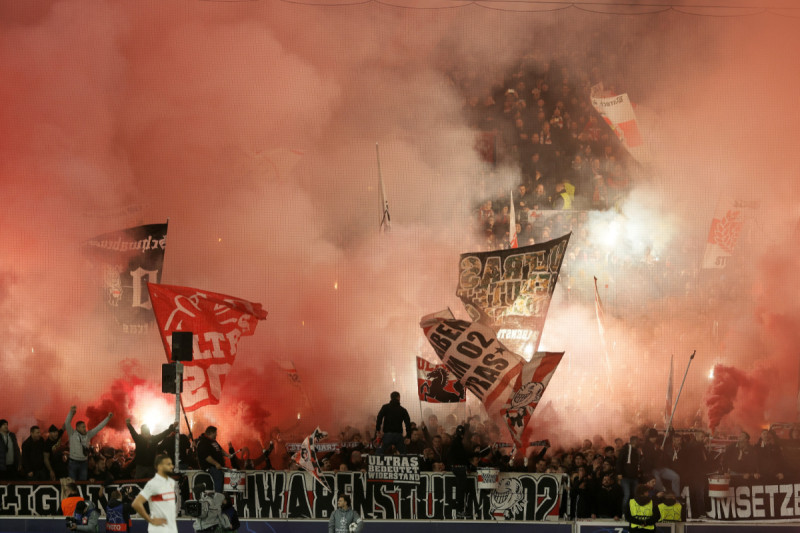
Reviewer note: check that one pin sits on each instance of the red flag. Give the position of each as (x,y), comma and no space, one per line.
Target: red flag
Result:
(218,322)
(435,385)
(527,392)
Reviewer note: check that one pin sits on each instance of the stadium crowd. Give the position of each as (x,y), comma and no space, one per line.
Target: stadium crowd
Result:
(602,475)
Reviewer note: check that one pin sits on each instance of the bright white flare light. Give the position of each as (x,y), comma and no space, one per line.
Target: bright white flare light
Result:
(711,373)
(156,418)
(612,234)
(156,413)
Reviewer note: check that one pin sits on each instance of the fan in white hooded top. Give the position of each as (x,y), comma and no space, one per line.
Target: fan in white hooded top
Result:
(162,494)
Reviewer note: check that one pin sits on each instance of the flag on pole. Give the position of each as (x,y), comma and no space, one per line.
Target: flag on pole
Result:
(668,410)
(306,456)
(129,258)
(510,290)
(726,226)
(474,356)
(218,321)
(512,223)
(617,111)
(436,385)
(601,327)
(527,392)
(290,370)
(386,219)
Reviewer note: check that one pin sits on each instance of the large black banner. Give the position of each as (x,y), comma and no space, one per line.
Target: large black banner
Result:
(510,290)
(129,259)
(295,494)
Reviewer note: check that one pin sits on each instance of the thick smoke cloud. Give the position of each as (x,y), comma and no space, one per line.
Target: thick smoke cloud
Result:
(252,127)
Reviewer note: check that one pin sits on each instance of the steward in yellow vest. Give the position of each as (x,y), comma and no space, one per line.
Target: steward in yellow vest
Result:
(642,512)
(671,510)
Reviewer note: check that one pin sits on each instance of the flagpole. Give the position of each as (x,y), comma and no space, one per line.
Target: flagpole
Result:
(178,387)
(386,219)
(669,424)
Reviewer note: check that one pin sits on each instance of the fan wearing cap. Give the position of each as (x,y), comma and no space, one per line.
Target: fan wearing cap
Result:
(52,449)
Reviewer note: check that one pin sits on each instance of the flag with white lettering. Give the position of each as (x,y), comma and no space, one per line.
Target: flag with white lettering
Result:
(474,356)
(617,111)
(306,457)
(129,259)
(218,322)
(726,226)
(510,290)
(394,469)
(436,385)
(527,392)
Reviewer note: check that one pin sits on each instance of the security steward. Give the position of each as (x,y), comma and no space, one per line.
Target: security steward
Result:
(671,509)
(642,512)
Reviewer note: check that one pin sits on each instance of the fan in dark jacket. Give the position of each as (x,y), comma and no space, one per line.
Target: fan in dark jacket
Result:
(607,500)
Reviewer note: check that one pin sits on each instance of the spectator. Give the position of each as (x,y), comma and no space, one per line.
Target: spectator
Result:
(426,465)
(53,452)
(80,444)
(389,424)
(741,458)
(628,464)
(607,499)
(457,461)
(146,448)
(770,458)
(581,491)
(416,443)
(356,462)
(33,463)
(211,456)
(653,462)
(9,452)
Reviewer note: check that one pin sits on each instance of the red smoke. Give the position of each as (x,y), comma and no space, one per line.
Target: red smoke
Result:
(117,400)
(732,387)
(116,115)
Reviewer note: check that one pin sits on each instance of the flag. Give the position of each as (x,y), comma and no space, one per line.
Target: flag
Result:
(386,219)
(726,226)
(218,322)
(290,370)
(130,258)
(510,290)
(474,356)
(512,223)
(618,113)
(306,457)
(601,326)
(527,392)
(668,410)
(435,385)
